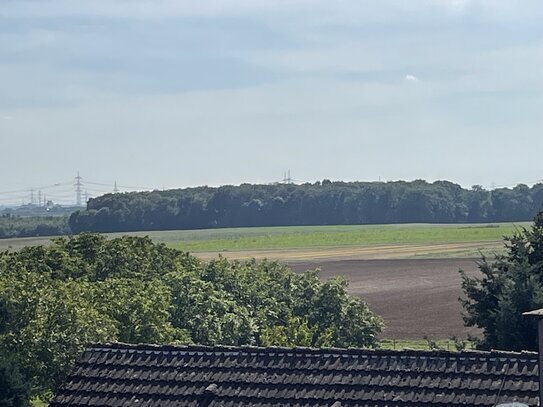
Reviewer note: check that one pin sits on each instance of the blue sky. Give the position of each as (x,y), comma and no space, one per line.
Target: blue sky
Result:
(179,93)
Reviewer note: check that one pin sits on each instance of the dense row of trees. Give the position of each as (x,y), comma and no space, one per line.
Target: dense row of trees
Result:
(55,300)
(321,203)
(509,285)
(28,226)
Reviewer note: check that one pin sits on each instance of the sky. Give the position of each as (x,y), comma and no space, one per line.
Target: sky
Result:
(163,93)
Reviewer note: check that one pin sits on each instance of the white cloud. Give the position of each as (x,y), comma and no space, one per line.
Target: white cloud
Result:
(411,78)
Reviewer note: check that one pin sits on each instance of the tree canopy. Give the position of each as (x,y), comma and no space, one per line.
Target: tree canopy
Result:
(55,300)
(321,203)
(508,286)
(26,226)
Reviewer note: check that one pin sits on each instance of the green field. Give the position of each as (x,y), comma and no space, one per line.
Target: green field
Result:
(331,236)
(292,237)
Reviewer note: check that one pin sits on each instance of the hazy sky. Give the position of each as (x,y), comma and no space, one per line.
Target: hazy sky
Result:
(167,93)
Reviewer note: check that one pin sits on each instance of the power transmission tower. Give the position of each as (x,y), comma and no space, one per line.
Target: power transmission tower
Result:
(287,179)
(78,185)
(32,196)
(115,189)
(39,197)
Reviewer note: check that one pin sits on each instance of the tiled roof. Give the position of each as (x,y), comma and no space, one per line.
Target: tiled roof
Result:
(147,375)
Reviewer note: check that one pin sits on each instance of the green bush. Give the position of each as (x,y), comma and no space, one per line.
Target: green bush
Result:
(14,389)
(510,285)
(55,300)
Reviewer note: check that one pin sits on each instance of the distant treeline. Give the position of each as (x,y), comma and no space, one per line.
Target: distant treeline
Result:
(28,226)
(321,203)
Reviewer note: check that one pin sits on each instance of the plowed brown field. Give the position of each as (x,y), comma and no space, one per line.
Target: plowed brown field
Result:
(416,296)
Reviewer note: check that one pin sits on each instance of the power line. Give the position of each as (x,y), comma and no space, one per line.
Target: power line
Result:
(99,184)
(115,185)
(138,188)
(105,191)
(33,195)
(61,195)
(494,186)
(64,191)
(14,192)
(40,187)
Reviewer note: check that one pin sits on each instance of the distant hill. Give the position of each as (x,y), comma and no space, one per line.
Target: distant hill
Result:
(320,203)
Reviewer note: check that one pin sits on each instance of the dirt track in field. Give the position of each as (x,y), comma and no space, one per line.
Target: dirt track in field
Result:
(398,251)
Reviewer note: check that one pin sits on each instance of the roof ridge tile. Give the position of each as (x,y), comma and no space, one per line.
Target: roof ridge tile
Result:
(131,348)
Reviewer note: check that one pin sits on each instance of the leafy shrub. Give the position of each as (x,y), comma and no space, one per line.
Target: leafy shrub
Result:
(55,300)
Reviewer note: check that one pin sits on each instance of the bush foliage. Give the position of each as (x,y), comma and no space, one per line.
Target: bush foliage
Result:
(55,300)
(14,388)
(510,285)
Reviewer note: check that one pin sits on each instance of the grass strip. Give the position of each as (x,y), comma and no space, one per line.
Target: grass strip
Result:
(334,236)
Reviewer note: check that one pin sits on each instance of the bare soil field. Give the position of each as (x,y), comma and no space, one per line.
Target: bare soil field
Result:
(417,298)
(415,288)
